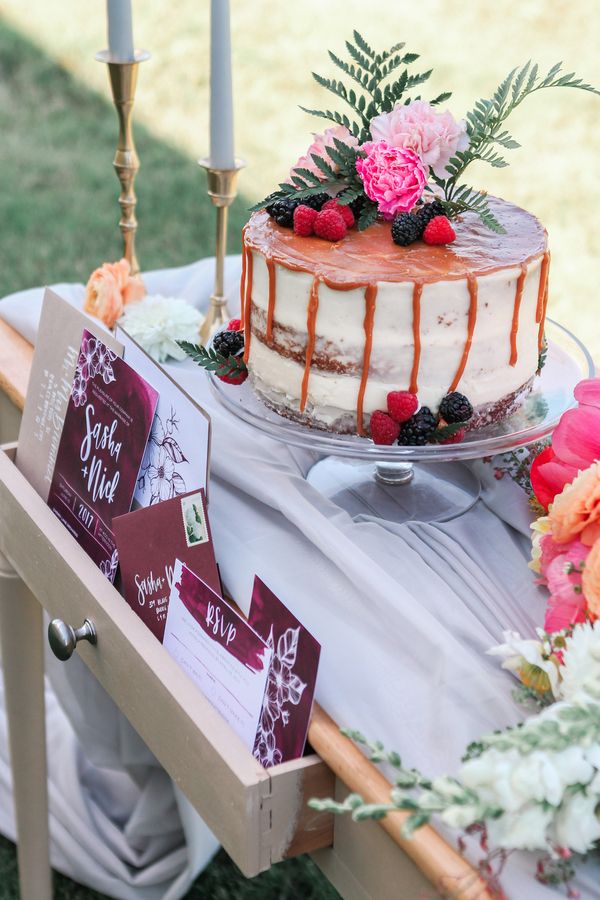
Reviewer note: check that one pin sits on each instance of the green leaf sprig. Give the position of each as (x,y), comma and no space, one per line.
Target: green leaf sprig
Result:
(488,137)
(370,70)
(228,366)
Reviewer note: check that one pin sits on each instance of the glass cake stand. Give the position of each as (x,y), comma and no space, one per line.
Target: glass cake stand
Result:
(370,480)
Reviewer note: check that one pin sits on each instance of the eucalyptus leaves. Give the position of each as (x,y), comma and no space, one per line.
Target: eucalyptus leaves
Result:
(384,110)
(534,787)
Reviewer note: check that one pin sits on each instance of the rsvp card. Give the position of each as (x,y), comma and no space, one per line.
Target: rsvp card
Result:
(217,648)
(151,540)
(109,415)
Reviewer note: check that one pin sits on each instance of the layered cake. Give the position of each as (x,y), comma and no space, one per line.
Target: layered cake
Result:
(332,328)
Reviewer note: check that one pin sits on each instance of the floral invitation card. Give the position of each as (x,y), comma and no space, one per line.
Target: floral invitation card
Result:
(108,419)
(288,699)
(150,540)
(52,371)
(177,456)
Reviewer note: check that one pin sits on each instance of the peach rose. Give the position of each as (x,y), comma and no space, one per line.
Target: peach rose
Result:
(591,580)
(109,289)
(576,511)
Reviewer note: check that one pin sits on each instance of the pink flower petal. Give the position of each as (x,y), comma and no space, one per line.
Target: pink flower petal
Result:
(549,476)
(588,392)
(561,615)
(576,440)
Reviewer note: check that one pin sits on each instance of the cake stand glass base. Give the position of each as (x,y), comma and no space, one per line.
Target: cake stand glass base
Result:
(397,492)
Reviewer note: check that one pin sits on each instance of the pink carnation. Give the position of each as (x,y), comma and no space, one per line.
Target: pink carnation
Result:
(393,177)
(321,141)
(417,126)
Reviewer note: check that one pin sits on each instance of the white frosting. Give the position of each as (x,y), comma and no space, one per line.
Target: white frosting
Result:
(488,376)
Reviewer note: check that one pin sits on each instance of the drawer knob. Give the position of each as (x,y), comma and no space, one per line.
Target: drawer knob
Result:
(63,638)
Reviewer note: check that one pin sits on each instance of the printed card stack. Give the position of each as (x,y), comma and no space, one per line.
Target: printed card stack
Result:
(121,454)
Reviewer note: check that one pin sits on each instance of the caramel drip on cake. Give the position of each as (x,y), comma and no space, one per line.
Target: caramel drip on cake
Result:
(271,306)
(245,252)
(313,305)
(472,282)
(370,300)
(515,321)
(542,288)
(248,306)
(416,302)
(542,304)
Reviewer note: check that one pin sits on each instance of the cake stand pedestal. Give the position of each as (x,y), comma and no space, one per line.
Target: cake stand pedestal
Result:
(383,482)
(397,492)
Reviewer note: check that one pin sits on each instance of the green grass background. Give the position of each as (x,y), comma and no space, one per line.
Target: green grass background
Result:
(58,209)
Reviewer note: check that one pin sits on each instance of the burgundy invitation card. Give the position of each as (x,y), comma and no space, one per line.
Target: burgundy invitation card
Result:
(108,420)
(150,540)
(290,689)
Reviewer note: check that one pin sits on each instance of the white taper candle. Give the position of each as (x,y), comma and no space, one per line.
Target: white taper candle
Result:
(221,95)
(120,30)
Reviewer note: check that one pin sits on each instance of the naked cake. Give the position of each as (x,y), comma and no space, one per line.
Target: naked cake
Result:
(331,329)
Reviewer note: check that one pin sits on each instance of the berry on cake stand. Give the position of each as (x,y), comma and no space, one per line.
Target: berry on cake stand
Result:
(421,480)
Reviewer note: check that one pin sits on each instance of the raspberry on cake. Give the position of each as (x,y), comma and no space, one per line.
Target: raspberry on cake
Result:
(402,405)
(330,225)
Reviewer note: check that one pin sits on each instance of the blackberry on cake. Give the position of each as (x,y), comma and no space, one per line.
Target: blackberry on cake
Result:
(228,343)
(283,211)
(427,212)
(455,407)
(405,229)
(419,429)
(316,201)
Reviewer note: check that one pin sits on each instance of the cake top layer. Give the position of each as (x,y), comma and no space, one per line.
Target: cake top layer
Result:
(365,257)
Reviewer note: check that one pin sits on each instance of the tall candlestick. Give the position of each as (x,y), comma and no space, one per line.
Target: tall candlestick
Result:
(120,30)
(221,99)
(123,81)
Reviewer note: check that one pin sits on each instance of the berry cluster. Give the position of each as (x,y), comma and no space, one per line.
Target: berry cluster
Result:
(428,222)
(230,342)
(320,215)
(283,210)
(404,423)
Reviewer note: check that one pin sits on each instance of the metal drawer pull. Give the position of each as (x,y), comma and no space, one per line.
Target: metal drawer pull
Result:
(63,638)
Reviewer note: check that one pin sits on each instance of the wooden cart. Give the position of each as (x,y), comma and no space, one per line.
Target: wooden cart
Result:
(260,816)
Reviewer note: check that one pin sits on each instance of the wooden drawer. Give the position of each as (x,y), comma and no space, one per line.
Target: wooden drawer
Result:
(260,816)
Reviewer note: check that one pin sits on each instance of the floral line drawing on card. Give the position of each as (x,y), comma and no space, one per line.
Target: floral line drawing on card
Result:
(283,687)
(94,359)
(108,567)
(163,453)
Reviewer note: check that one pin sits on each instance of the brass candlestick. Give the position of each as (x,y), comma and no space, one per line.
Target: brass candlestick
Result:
(222,191)
(123,81)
